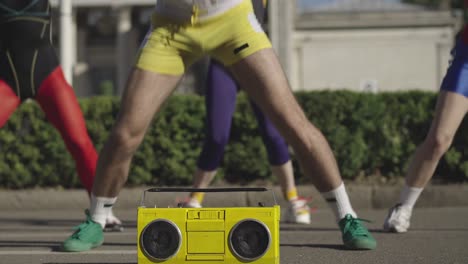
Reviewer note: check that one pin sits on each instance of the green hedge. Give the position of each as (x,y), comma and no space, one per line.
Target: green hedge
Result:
(370,135)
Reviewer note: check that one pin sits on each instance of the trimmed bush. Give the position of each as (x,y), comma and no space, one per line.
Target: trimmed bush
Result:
(370,134)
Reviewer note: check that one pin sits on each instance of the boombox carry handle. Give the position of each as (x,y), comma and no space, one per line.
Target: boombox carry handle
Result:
(177,189)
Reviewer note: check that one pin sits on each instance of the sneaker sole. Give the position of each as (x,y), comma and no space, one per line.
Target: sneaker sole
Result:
(113,228)
(290,218)
(360,245)
(81,249)
(297,222)
(302,219)
(393,229)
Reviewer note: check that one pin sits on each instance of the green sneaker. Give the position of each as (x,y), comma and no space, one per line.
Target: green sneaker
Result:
(355,235)
(88,235)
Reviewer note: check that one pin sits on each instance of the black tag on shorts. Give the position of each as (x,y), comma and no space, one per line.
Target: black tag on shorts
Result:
(241,48)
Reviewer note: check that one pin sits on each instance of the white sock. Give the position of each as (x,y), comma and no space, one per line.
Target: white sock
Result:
(112,219)
(409,196)
(339,202)
(101,208)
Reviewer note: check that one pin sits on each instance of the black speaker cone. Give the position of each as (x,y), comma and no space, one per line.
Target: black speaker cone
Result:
(160,239)
(249,239)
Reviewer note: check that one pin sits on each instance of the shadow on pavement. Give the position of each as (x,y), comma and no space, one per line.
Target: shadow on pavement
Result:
(329,246)
(4,243)
(421,230)
(305,228)
(53,246)
(119,244)
(36,222)
(55,222)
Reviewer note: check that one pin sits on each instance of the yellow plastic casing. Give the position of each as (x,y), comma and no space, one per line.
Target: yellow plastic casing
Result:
(205,233)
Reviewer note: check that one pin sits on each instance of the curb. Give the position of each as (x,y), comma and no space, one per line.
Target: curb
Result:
(362,197)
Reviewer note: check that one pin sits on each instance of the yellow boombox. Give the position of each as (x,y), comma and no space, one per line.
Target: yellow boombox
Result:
(208,235)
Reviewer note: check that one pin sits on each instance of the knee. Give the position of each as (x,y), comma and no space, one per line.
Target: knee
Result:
(438,144)
(124,140)
(216,143)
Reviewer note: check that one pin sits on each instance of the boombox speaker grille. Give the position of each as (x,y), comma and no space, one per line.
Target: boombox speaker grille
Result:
(249,239)
(160,239)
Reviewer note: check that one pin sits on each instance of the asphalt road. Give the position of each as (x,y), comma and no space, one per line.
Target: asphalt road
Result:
(438,235)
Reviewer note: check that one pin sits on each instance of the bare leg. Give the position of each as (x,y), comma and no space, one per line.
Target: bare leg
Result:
(145,93)
(284,173)
(450,110)
(202,179)
(266,84)
(297,211)
(143,96)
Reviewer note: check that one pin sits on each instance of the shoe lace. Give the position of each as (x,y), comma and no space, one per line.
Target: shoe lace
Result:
(401,213)
(81,228)
(301,204)
(354,226)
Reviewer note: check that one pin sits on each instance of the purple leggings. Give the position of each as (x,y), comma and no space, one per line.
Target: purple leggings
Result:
(220,102)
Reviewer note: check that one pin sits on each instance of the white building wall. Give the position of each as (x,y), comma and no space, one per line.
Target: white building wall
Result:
(375,59)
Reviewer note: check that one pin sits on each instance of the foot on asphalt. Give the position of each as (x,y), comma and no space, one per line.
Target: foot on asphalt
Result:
(398,219)
(355,235)
(113,224)
(189,203)
(298,211)
(88,235)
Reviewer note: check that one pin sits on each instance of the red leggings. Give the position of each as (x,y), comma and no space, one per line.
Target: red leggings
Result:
(58,101)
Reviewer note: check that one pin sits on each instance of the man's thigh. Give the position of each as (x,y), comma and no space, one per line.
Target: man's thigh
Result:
(261,75)
(239,35)
(169,47)
(144,95)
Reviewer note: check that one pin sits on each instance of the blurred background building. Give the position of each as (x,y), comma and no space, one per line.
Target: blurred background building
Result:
(374,45)
(363,45)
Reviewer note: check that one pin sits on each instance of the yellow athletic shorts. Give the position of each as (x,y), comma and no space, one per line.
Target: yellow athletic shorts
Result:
(171,47)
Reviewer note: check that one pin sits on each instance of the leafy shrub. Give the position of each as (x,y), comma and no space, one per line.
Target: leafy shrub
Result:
(370,134)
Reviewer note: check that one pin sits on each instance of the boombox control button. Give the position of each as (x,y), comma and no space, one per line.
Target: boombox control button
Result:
(209,215)
(205,214)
